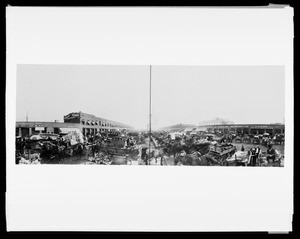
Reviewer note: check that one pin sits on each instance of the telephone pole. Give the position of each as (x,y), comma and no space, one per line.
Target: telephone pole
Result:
(150,118)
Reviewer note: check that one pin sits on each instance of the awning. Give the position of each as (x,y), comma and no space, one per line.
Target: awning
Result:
(68,130)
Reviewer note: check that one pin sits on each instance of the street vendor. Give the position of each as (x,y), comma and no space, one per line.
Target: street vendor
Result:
(270,153)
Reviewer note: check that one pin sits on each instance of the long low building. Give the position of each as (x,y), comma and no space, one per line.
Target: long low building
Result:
(26,128)
(246,128)
(87,123)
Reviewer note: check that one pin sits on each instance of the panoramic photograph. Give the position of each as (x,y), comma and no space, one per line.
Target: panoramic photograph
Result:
(150,115)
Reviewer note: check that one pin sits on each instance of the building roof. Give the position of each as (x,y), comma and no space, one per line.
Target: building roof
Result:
(179,126)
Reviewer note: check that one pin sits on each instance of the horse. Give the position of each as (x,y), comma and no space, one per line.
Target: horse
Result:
(256,139)
(194,159)
(278,139)
(266,141)
(246,139)
(174,149)
(155,153)
(238,139)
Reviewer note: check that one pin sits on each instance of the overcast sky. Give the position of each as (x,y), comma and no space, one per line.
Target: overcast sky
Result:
(180,94)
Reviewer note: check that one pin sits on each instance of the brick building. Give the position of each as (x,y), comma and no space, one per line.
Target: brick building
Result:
(87,123)
(90,124)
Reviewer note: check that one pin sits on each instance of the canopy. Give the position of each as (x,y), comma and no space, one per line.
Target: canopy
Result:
(35,137)
(188,129)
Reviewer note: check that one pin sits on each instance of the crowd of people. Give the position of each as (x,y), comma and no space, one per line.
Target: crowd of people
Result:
(128,143)
(203,142)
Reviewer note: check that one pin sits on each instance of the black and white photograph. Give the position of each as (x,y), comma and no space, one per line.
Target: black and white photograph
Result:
(150,115)
(149,119)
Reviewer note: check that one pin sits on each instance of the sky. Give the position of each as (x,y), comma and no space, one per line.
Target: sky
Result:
(180,94)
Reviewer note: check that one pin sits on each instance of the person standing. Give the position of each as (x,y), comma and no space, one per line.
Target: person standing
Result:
(270,153)
(125,143)
(255,154)
(144,155)
(128,142)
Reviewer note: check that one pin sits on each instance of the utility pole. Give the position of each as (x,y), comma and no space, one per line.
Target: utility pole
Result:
(27,116)
(150,119)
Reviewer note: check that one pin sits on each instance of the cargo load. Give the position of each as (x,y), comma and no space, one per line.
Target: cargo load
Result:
(73,135)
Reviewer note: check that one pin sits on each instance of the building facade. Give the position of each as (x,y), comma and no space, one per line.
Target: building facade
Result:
(90,124)
(87,123)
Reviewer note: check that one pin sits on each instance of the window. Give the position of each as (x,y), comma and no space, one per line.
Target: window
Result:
(56,130)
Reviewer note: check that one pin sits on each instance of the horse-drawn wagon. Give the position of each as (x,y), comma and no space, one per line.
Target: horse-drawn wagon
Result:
(278,139)
(256,139)
(238,139)
(221,152)
(246,139)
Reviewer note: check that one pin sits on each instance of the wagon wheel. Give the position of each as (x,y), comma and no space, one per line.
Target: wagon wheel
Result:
(90,152)
(223,161)
(103,151)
